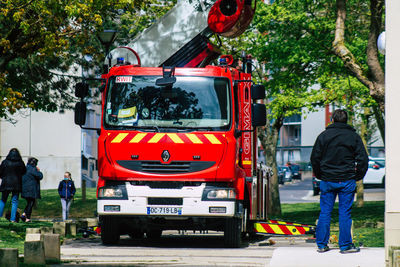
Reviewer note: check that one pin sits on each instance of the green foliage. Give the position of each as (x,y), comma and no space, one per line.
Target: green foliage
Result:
(292,42)
(41,41)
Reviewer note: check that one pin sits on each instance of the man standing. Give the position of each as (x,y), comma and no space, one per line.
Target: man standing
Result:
(339,160)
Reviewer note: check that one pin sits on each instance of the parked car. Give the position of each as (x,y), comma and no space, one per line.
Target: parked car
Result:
(284,174)
(296,171)
(376,173)
(315,185)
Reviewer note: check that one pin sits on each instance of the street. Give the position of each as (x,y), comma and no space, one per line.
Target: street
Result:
(301,192)
(173,248)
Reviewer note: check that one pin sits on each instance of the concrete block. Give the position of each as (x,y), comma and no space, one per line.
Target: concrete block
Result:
(33,237)
(91,222)
(396,258)
(59,228)
(32,230)
(8,257)
(46,230)
(71,229)
(51,246)
(34,252)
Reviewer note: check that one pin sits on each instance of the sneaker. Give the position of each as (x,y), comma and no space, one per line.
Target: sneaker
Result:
(350,249)
(324,249)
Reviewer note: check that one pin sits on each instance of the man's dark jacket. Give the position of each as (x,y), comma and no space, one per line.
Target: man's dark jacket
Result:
(11,171)
(339,154)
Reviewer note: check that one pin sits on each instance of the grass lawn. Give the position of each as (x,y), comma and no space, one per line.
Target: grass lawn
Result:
(367,221)
(12,235)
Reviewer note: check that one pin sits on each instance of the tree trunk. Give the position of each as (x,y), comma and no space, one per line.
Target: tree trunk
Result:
(380,121)
(360,184)
(375,81)
(269,140)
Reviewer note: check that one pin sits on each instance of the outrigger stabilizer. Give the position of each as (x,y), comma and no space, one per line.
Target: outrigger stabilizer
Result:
(282,228)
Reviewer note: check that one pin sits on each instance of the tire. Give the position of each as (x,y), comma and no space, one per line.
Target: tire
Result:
(383,182)
(109,231)
(154,234)
(233,233)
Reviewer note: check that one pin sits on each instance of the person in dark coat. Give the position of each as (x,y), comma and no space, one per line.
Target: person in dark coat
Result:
(66,190)
(339,160)
(11,171)
(31,187)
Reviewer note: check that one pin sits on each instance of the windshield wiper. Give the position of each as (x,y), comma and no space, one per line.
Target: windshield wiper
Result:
(148,128)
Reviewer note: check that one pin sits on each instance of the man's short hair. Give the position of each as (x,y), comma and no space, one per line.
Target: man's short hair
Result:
(339,115)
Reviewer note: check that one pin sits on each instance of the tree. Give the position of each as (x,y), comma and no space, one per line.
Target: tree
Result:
(370,71)
(42,40)
(292,40)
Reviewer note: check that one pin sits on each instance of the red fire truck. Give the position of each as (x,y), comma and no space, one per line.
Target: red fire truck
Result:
(177,149)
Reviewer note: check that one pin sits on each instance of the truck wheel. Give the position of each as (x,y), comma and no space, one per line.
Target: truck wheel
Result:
(233,233)
(109,231)
(154,234)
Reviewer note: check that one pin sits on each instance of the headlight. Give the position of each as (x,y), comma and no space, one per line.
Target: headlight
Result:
(112,193)
(219,194)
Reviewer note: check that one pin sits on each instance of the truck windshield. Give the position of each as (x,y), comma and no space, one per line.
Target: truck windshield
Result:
(191,103)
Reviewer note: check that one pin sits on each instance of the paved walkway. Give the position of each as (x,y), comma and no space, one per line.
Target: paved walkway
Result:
(207,250)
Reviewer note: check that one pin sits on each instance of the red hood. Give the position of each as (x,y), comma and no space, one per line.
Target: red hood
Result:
(187,155)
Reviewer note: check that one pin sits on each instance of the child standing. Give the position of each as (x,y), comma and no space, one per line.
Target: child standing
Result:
(66,190)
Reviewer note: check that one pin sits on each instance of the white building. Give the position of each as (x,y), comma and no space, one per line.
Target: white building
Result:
(52,138)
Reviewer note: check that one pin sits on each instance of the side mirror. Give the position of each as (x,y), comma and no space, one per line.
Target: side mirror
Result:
(80,113)
(81,90)
(258,115)
(257,91)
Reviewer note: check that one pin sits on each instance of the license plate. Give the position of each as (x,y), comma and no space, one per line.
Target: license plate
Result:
(164,210)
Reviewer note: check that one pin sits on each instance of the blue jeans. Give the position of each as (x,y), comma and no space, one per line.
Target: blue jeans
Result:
(65,204)
(329,190)
(14,204)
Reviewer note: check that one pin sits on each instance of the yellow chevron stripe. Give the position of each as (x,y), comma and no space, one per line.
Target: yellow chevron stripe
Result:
(292,231)
(212,139)
(138,138)
(259,228)
(246,162)
(282,222)
(156,137)
(276,229)
(119,138)
(194,139)
(175,138)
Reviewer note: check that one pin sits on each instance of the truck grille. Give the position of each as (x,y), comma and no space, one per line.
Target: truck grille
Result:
(171,168)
